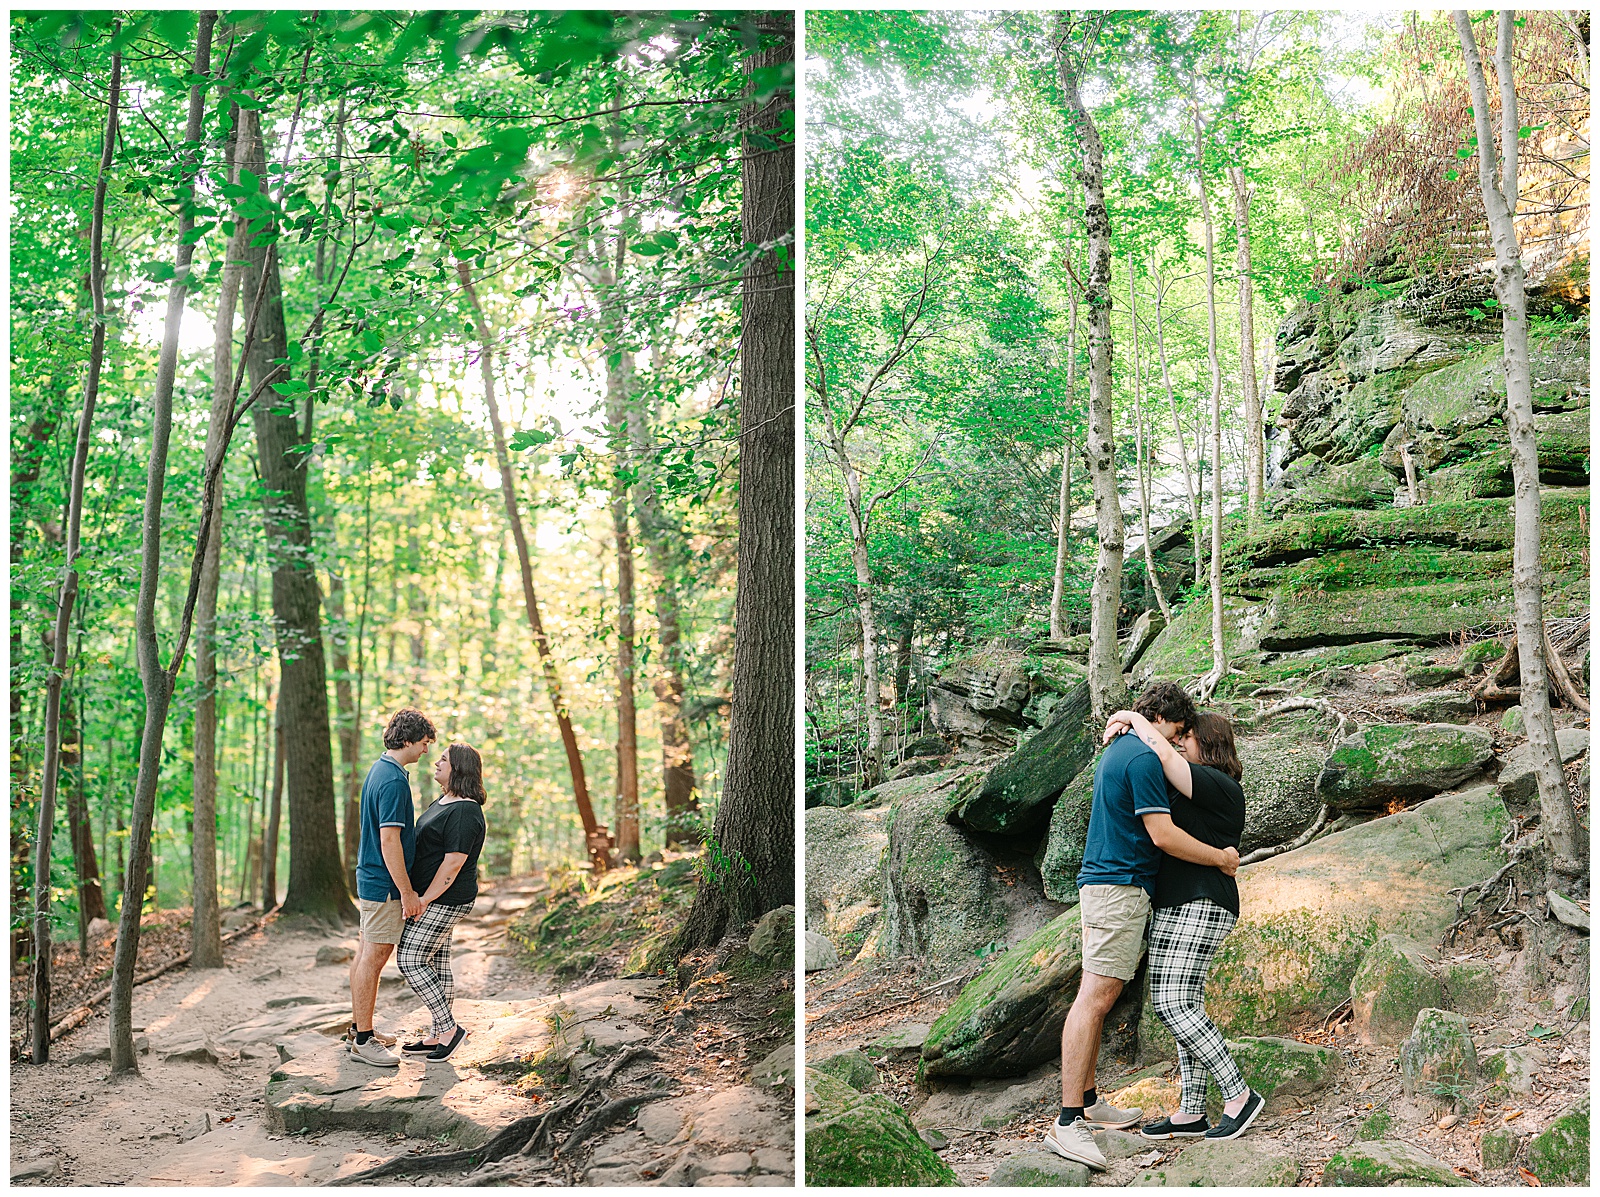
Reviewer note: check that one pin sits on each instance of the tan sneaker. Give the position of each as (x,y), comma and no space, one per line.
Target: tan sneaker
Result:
(1075,1142)
(1105,1116)
(374,1053)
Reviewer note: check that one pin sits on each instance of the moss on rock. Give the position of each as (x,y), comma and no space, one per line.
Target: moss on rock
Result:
(1383,1164)
(1498,1149)
(1062,853)
(1560,1153)
(864,1139)
(1389,989)
(1438,1060)
(1402,760)
(1017,791)
(1278,1068)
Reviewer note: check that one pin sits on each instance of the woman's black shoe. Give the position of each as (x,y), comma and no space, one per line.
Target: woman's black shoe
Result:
(1234,1126)
(442,1052)
(418,1049)
(1168,1129)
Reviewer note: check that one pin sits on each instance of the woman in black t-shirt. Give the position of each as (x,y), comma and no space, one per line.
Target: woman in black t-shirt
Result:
(1194,908)
(444,872)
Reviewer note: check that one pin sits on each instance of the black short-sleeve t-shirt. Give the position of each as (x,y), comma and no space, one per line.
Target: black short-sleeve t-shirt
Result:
(1213,815)
(455,826)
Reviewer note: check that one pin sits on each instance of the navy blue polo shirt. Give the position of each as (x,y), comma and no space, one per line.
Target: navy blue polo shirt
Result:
(1128,783)
(385,802)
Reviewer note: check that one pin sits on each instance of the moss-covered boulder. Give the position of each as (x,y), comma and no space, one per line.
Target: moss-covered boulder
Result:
(1407,761)
(1470,986)
(1510,1071)
(1392,985)
(844,873)
(1255,1163)
(1559,1154)
(1498,1149)
(1062,854)
(1436,706)
(1038,1169)
(1278,1069)
(1381,1165)
(1307,917)
(1310,484)
(857,1138)
(1438,1060)
(852,1067)
(1009,1019)
(947,895)
(1281,768)
(1016,794)
(987,700)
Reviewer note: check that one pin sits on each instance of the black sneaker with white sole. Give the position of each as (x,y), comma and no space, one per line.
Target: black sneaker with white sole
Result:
(1231,1127)
(418,1049)
(442,1052)
(1168,1129)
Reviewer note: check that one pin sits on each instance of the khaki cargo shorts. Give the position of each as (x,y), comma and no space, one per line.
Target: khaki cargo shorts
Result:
(381,922)
(1114,921)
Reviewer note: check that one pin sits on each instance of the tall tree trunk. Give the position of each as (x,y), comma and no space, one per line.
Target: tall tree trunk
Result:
(596,840)
(316,872)
(1557,817)
(902,661)
(1107,689)
(349,734)
(91,898)
(1219,648)
(270,832)
(157,682)
(659,535)
(1255,442)
(1140,456)
(206,927)
(1058,587)
(866,615)
(1177,424)
(750,855)
(67,595)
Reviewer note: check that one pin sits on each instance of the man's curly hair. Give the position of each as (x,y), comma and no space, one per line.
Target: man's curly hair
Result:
(407,726)
(1169,701)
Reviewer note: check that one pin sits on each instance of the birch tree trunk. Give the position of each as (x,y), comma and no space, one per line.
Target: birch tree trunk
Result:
(1255,443)
(1219,648)
(1064,520)
(618,379)
(1177,426)
(1557,817)
(1107,689)
(67,595)
(1140,455)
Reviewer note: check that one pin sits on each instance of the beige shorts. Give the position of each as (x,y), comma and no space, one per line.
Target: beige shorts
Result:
(1114,919)
(381,922)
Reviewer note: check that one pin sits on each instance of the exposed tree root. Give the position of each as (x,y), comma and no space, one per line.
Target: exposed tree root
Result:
(1300,841)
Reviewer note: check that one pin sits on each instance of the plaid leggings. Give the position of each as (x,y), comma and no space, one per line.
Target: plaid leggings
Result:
(1183,939)
(424,960)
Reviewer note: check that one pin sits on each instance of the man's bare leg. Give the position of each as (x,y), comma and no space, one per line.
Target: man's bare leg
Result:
(1080,1034)
(364,973)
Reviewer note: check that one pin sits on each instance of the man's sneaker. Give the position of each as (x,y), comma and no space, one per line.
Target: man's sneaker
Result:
(1168,1129)
(350,1037)
(374,1053)
(443,1050)
(1075,1142)
(1105,1116)
(417,1049)
(1234,1126)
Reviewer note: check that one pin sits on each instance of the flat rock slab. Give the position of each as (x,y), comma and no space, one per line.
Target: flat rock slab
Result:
(248,1154)
(506,1034)
(1242,1163)
(327,1018)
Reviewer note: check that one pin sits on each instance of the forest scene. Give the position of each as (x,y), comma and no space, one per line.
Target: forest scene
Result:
(376,360)
(1249,353)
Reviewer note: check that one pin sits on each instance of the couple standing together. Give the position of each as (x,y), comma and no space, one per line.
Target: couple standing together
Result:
(1162,849)
(415,880)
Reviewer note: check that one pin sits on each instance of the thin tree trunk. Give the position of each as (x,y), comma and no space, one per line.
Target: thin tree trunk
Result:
(316,872)
(66,596)
(902,661)
(1255,443)
(596,841)
(1219,648)
(1107,689)
(91,898)
(866,616)
(750,855)
(1557,817)
(157,682)
(1064,516)
(349,749)
(269,833)
(1177,426)
(1140,456)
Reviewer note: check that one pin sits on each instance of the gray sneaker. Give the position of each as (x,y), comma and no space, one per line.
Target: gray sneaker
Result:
(1105,1116)
(1075,1142)
(374,1053)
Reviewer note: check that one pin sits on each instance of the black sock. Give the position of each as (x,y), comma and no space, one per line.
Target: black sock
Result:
(363,1036)
(1070,1114)
(1090,1097)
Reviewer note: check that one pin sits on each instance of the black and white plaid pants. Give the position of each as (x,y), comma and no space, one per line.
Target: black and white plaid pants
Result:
(424,961)
(1183,939)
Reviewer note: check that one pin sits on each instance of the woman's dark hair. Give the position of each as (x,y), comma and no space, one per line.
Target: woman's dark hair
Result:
(466,773)
(1168,701)
(1213,733)
(407,726)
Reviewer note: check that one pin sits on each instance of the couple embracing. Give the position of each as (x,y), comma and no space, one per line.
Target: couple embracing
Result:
(416,878)
(1161,851)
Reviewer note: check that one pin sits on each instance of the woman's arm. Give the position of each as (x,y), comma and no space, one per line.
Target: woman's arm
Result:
(445,877)
(1172,762)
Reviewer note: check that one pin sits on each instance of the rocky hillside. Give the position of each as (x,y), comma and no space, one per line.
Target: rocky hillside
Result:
(1450,1011)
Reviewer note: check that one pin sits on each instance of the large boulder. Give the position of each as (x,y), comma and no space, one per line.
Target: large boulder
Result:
(1016,794)
(1280,1069)
(1559,1155)
(1404,761)
(1062,853)
(1518,785)
(844,872)
(985,701)
(1307,917)
(990,1104)
(1310,484)
(1038,1170)
(1438,1060)
(1255,1163)
(851,1067)
(855,1138)
(1392,985)
(946,895)
(1280,785)
(1386,1164)
(1510,1071)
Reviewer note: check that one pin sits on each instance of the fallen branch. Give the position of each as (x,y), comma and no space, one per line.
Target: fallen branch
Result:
(1560,680)
(75,1018)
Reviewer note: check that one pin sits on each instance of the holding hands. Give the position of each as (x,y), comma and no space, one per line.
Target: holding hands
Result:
(412,905)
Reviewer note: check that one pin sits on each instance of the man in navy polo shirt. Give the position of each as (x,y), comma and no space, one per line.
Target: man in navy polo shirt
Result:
(1130,826)
(383,881)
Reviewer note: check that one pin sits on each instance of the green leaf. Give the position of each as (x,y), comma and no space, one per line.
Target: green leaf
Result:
(159,272)
(1540,1031)
(1463,153)
(1452,175)
(530,438)
(295,386)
